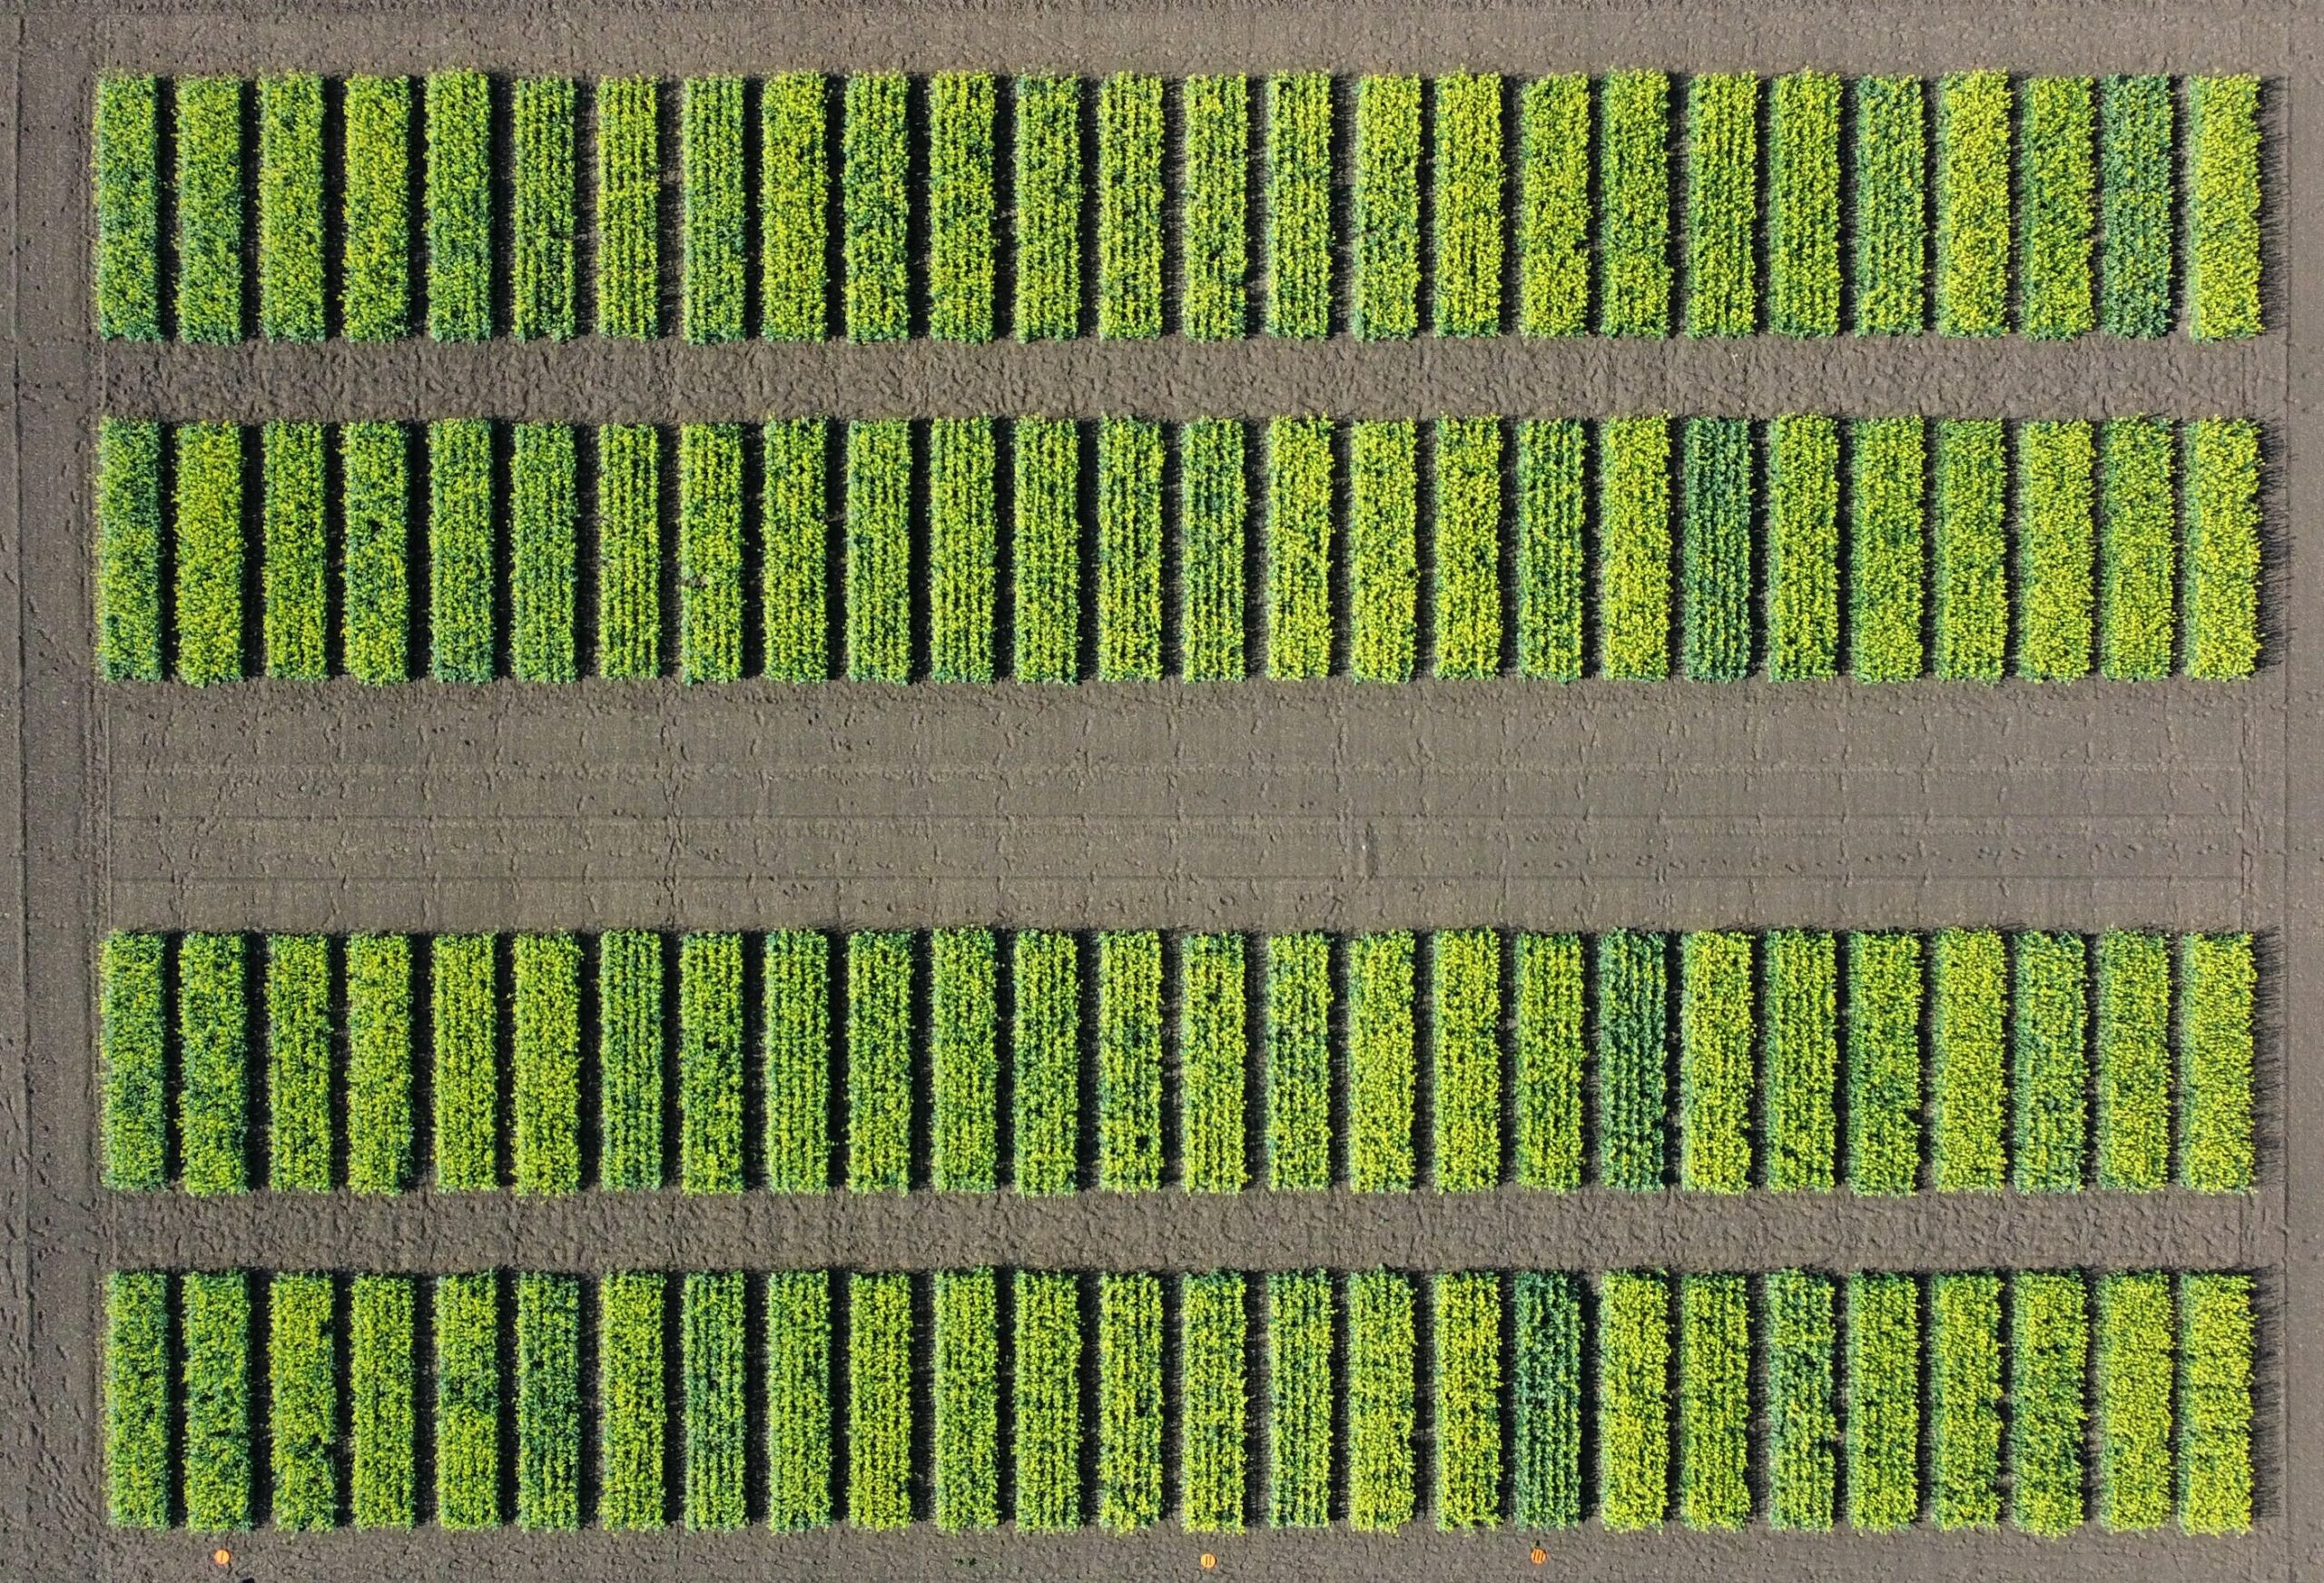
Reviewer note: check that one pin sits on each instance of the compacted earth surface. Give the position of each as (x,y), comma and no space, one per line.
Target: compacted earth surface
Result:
(330,808)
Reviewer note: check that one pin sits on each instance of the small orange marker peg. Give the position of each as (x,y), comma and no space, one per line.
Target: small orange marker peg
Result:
(223,1558)
(1209,1562)
(1540,1556)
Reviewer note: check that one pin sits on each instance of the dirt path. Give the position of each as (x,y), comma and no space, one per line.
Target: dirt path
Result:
(1333,806)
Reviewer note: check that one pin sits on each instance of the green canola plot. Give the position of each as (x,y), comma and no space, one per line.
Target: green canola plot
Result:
(795,209)
(1974,111)
(2137,152)
(295,577)
(545,1046)
(1382,1071)
(629,183)
(1551,561)
(137,1400)
(877,596)
(129,593)
(1383,550)
(542,552)
(1214,1034)
(128,255)
(710,552)
(380,1050)
(875,203)
(1803,532)
(207,198)
(375,553)
(2057,212)
(1633,573)
(1387,249)
(1546,1389)
(879,1062)
(1801,1075)
(798,1401)
(216,1490)
(1045,559)
(1888,262)
(1130,550)
(290,207)
(1047,231)
(1045,976)
(710,1063)
(1129,207)
(629,550)
(796,1028)
(1130,1061)
(961,107)
(1804,204)
(1886,553)
(375,212)
(1129,1402)
(1633,204)
(2224,208)
(1465,203)
(1884,1055)
(1046,1419)
(548,1402)
(1214,208)
(466,1314)
(2049,1063)
(794,550)
(1717,1022)
(1803,1399)
(1630,1055)
(1299,205)
(1714,549)
(459,190)
(1722,204)
(963,1035)
(1300,1326)
(1553,257)
(299,1062)
(382,1425)
(1464,1087)
(1213,507)
(542,115)
(711,151)
(1633,1400)
(134,1037)
(213,1064)
(460,550)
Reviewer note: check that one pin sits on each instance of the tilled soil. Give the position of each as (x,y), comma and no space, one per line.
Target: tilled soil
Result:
(1328,805)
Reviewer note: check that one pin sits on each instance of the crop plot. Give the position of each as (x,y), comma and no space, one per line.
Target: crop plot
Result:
(2049,550)
(182,1445)
(2026,207)
(1765,1064)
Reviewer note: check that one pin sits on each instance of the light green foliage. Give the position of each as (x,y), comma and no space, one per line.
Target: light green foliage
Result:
(1129,1402)
(1046,551)
(1383,550)
(1213,1390)
(1465,215)
(794,544)
(1466,547)
(879,1062)
(375,466)
(464,1018)
(798,1398)
(383,1465)
(629,549)
(208,524)
(460,206)
(1890,211)
(1884,1410)
(1965,1398)
(290,207)
(1299,205)
(1130,1061)
(1047,190)
(375,230)
(2049,1340)
(1048,1408)
(128,258)
(2214,1417)
(1630,1058)
(710,552)
(379,1063)
(1803,547)
(1553,219)
(214,1348)
(1804,204)
(1802,1057)
(2221,592)
(541,113)
(1968,1018)
(1380,1405)
(1130,550)
(2057,182)
(1382,1065)
(1299,548)
(797,986)
(963,1015)
(1214,237)
(629,1060)
(2224,208)
(1887,559)
(1971,549)
(129,550)
(714,199)
(1722,204)
(1465,1089)
(548,1059)
(875,201)
(1972,148)
(135,1031)
(633,1409)
(1387,208)
(1883,1103)
(303,1402)
(1299,1399)
(2216,984)
(1633,573)
(2133,1061)
(1715,550)
(1548,1068)
(629,184)
(543,552)
(2134,1344)
(1129,207)
(1633,203)
(2056,549)
(1716,1028)
(1633,1402)
(1213,1043)
(1465,1335)
(2137,550)
(1045,1039)
(961,106)
(794,210)
(1714,1400)
(967,1474)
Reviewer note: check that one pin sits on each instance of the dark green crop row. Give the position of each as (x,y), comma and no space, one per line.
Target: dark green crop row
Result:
(2129,547)
(1659,1366)
(2051,206)
(1406,1026)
